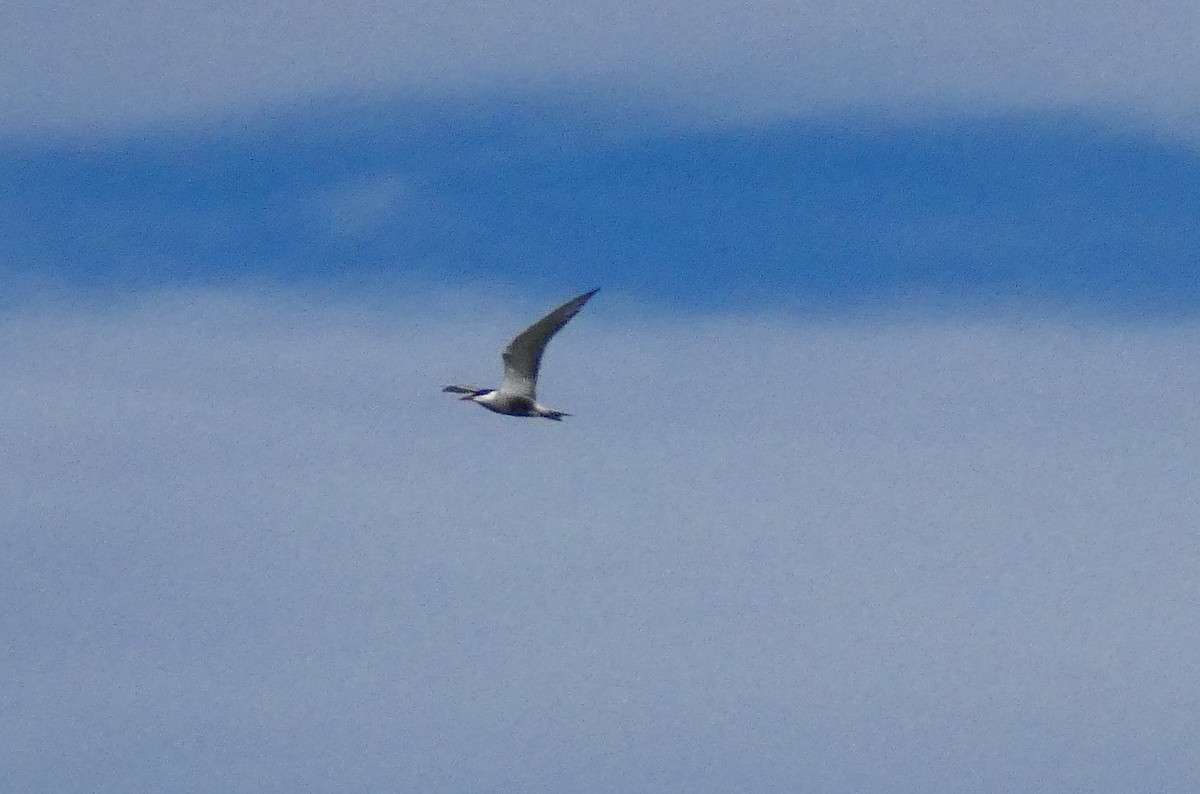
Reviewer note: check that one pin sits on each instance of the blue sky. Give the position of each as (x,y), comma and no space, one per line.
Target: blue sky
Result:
(1045,211)
(882,465)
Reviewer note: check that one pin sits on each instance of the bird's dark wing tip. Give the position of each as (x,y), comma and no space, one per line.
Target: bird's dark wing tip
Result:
(578,303)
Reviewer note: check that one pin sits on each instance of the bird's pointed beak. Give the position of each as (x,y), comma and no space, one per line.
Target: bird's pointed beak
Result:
(468,397)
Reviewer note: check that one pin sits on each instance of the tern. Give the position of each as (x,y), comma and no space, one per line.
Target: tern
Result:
(522,359)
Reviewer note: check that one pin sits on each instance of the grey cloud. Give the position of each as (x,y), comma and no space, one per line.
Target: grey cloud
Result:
(107,65)
(248,546)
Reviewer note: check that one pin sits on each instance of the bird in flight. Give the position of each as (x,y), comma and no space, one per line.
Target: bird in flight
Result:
(522,359)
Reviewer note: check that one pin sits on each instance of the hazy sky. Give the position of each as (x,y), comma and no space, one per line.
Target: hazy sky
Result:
(882,470)
(102,64)
(250,547)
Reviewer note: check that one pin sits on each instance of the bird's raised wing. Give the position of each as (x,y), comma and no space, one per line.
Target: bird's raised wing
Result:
(523,356)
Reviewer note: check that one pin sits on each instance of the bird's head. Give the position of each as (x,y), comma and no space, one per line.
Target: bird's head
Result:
(475,397)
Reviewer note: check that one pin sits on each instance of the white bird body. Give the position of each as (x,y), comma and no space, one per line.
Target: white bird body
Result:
(517,395)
